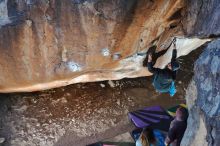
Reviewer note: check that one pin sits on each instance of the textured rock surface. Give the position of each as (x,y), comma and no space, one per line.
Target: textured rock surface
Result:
(203,18)
(2,140)
(52,43)
(203,99)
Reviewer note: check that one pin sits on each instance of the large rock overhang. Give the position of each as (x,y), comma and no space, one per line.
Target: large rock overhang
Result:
(59,43)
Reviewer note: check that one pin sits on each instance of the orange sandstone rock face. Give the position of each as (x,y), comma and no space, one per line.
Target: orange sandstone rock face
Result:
(47,44)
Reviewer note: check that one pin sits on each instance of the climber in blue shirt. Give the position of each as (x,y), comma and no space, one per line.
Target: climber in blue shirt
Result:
(163,79)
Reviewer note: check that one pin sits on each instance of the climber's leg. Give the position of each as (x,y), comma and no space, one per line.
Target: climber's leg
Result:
(174,62)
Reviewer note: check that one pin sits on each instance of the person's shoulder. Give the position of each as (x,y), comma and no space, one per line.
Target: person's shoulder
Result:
(176,123)
(180,124)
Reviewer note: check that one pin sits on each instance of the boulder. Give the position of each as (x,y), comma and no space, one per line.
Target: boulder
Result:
(203,100)
(48,44)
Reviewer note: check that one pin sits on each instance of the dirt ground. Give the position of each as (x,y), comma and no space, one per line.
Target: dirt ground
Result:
(82,114)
